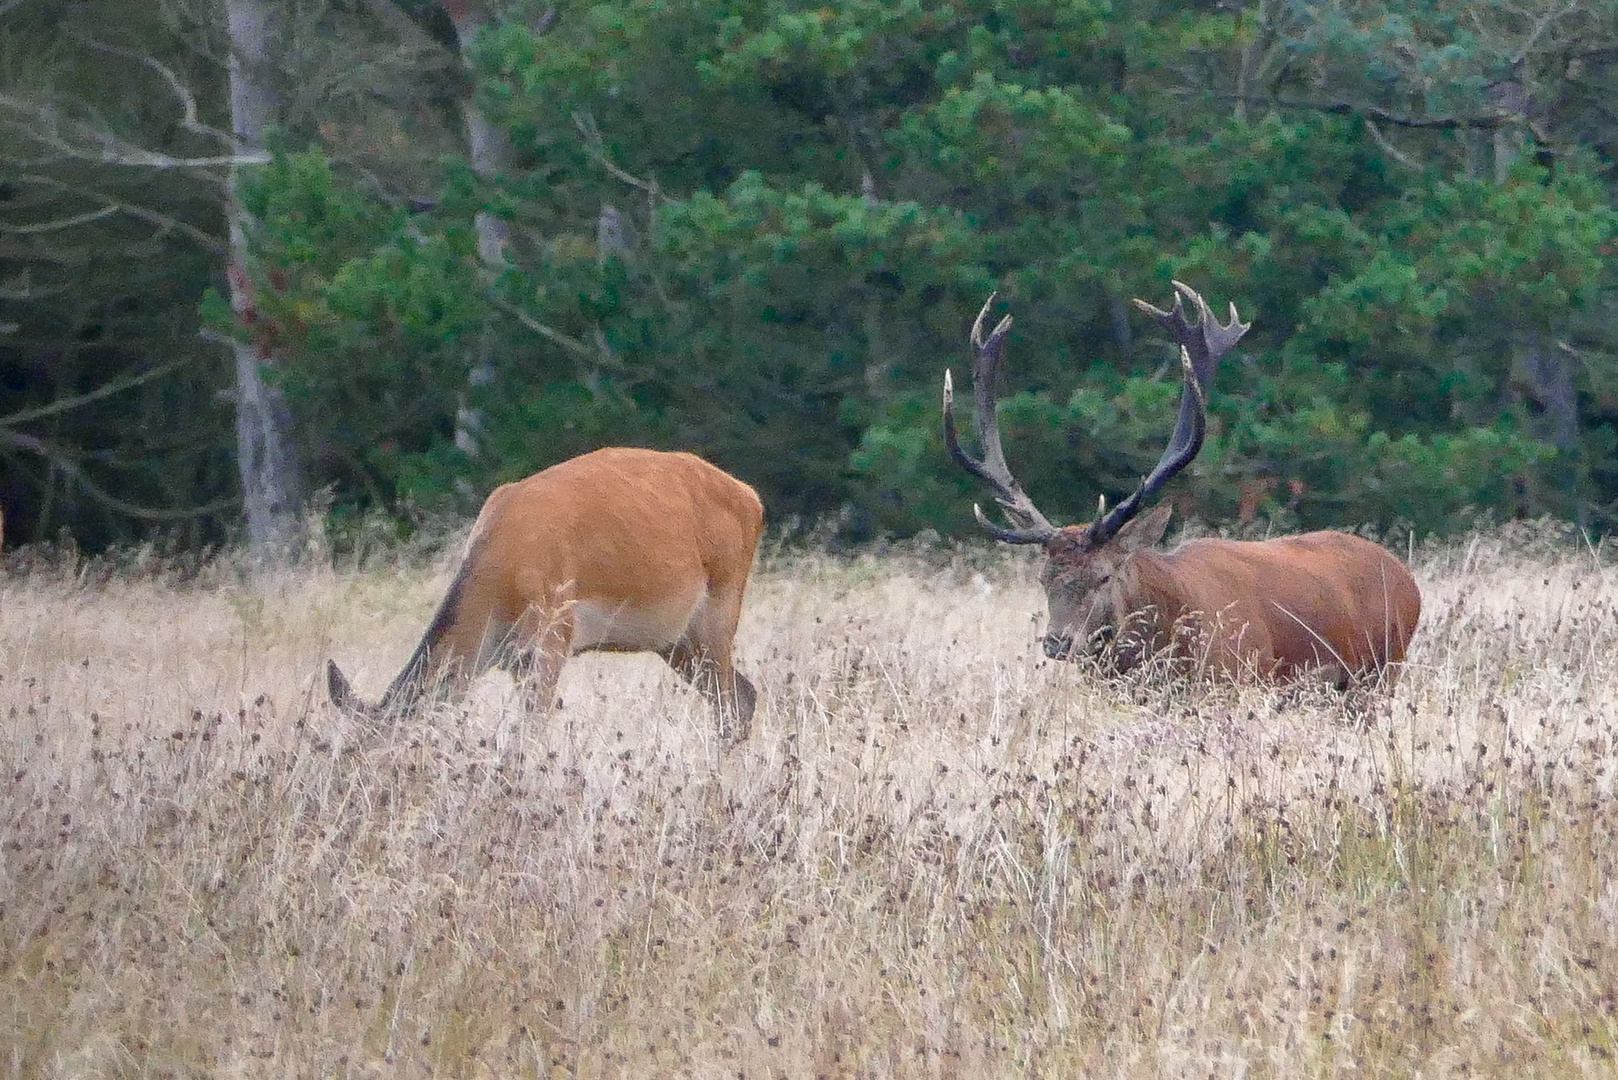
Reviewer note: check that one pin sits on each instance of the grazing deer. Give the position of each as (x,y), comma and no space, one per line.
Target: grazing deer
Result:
(1276,608)
(620,549)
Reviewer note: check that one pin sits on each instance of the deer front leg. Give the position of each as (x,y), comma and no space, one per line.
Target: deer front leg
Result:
(732,696)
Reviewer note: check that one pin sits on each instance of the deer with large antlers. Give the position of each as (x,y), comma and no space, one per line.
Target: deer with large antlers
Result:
(1326,601)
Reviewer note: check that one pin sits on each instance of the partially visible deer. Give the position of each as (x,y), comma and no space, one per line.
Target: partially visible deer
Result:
(619,549)
(1274,608)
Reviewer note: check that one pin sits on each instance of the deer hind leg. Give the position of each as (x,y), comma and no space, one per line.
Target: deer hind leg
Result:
(703,657)
(539,646)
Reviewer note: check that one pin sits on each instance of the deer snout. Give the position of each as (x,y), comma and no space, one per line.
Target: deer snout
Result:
(1060,645)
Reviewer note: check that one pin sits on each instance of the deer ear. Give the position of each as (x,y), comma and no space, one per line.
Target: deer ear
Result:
(1147,530)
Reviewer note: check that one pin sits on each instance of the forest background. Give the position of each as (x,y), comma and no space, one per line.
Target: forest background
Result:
(377,256)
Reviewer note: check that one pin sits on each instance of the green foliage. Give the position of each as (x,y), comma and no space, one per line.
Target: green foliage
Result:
(761,232)
(769,313)
(371,314)
(782,314)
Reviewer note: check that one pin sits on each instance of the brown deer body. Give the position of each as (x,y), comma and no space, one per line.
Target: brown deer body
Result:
(1326,601)
(620,549)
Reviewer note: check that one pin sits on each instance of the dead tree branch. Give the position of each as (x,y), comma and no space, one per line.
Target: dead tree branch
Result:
(83,141)
(71,468)
(1484,122)
(106,390)
(112,203)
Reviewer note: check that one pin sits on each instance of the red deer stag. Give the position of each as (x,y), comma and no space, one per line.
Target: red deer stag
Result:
(1276,608)
(619,549)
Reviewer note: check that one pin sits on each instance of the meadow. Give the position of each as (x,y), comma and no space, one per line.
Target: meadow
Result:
(940,854)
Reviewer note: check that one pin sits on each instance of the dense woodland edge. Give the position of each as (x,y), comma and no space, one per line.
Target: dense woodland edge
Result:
(359,261)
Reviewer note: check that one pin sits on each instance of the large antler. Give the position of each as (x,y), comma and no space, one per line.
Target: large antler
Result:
(1031,526)
(1201,343)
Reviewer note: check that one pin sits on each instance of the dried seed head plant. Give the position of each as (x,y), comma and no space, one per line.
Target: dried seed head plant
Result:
(939,855)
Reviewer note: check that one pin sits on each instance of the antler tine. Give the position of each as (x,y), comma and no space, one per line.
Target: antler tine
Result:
(1206,339)
(1034,534)
(987,352)
(977,324)
(1215,338)
(1202,343)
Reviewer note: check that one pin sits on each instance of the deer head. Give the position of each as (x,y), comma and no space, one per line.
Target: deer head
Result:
(1090,586)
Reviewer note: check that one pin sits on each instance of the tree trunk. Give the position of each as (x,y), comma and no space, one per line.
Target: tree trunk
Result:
(490,151)
(1544,378)
(1507,97)
(1547,377)
(266,454)
(1123,335)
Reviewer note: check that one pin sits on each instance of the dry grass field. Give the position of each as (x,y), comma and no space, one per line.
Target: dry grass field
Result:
(939,855)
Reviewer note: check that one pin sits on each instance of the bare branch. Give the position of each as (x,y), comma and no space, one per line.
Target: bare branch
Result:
(64,461)
(1392,151)
(106,390)
(30,252)
(20,286)
(1584,356)
(99,144)
(60,223)
(571,344)
(1542,24)
(188,101)
(586,123)
(163,221)
(1486,122)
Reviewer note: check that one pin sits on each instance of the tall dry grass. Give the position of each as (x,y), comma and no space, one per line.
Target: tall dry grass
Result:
(939,855)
